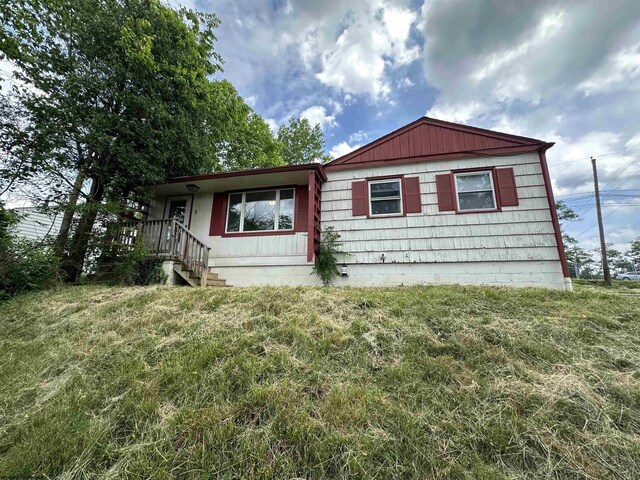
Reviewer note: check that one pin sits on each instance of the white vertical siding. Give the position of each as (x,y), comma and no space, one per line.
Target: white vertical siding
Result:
(35,225)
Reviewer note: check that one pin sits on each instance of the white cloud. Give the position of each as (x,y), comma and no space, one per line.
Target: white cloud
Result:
(317,114)
(358,137)
(341,149)
(273,125)
(251,100)
(488,57)
(405,82)
(374,42)
(621,69)
(633,142)
(457,112)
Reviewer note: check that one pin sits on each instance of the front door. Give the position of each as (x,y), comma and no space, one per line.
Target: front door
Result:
(179,208)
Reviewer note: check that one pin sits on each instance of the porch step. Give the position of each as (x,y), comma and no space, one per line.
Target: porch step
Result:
(186,275)
(213,280)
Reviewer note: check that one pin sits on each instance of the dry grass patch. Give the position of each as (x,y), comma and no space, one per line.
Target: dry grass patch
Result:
(415,382)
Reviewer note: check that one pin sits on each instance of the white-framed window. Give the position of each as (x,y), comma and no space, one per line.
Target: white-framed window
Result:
(264,210)
(385,197)
(475,191)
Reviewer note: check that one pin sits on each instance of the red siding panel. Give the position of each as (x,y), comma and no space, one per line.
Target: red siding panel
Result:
(446,192)
(507,187)
(413,203)
(301,221)
(218,214)
(359,198)
(427,137)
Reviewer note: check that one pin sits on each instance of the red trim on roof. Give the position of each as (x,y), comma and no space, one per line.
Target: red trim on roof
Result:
(317,167)
(496,152)
(554,213)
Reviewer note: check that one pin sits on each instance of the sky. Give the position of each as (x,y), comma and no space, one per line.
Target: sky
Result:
(558,70)
(564,71)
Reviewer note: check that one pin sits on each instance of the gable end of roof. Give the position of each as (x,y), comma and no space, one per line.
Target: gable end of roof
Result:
(431,139)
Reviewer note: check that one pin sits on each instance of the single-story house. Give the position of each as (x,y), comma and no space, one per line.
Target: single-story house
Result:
(432,202)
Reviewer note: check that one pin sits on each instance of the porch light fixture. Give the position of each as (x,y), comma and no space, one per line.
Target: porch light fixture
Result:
(343,271)
(192,187)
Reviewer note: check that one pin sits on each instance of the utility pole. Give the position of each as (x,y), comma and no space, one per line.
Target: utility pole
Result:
(603,245)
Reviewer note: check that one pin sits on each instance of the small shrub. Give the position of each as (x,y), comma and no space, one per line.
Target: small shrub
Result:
(26,265)
(136,267)
(327,266)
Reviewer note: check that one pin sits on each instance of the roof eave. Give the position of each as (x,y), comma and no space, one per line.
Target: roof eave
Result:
(318,167)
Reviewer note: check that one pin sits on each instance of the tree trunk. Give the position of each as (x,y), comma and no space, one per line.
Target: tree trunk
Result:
(80,241)
(69,212)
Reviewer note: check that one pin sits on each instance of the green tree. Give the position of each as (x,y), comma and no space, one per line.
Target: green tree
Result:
(580,261)
(116,93)
(246,141)
(618,260)
(567,214)
(634,252)
(301,143)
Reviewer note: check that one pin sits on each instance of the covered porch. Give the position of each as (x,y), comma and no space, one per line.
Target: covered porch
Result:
(221,221)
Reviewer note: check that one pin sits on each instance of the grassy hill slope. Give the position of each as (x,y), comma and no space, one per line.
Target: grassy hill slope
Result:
(423,382)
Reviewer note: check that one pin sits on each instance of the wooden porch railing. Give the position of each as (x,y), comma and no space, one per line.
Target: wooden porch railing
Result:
(168,238)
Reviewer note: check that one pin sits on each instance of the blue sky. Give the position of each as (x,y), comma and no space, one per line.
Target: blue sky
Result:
(566,71)
(559,70)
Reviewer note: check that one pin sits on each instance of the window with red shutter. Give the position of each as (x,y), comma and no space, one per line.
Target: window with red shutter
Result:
(412,200)
(218,214)
(302,208)
(445,192)
(359,198)
(507,187)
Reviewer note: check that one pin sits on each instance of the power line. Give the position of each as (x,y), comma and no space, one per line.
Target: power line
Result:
(601,155)
(590,192)
(625,169)
(607,215)
(584,208)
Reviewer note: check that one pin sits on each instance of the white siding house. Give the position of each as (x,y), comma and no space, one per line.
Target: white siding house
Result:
(37,225)
(433,202)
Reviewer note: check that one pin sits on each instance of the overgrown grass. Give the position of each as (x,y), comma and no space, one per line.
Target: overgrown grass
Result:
(411,382)
(615,284)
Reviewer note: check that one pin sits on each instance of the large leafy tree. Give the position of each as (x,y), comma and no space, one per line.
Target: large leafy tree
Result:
(246,141)
(301,142)
(581,262)
(634,252)
(566,214)
(114,95)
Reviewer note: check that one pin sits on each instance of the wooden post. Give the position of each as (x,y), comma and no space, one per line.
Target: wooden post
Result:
(172,237)
(311,216)
(603,245)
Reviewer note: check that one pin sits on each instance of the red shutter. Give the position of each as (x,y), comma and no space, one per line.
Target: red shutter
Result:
(359,198)
(508,192)
(301,220)
(218,214)
(413,203)
(446,193)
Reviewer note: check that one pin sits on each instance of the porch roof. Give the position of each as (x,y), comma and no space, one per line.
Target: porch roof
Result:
(242,179)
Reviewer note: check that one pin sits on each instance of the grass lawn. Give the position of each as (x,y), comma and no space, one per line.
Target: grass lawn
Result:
(409,382)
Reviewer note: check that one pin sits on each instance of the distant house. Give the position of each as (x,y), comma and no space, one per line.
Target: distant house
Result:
(36,225)
(430,203)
